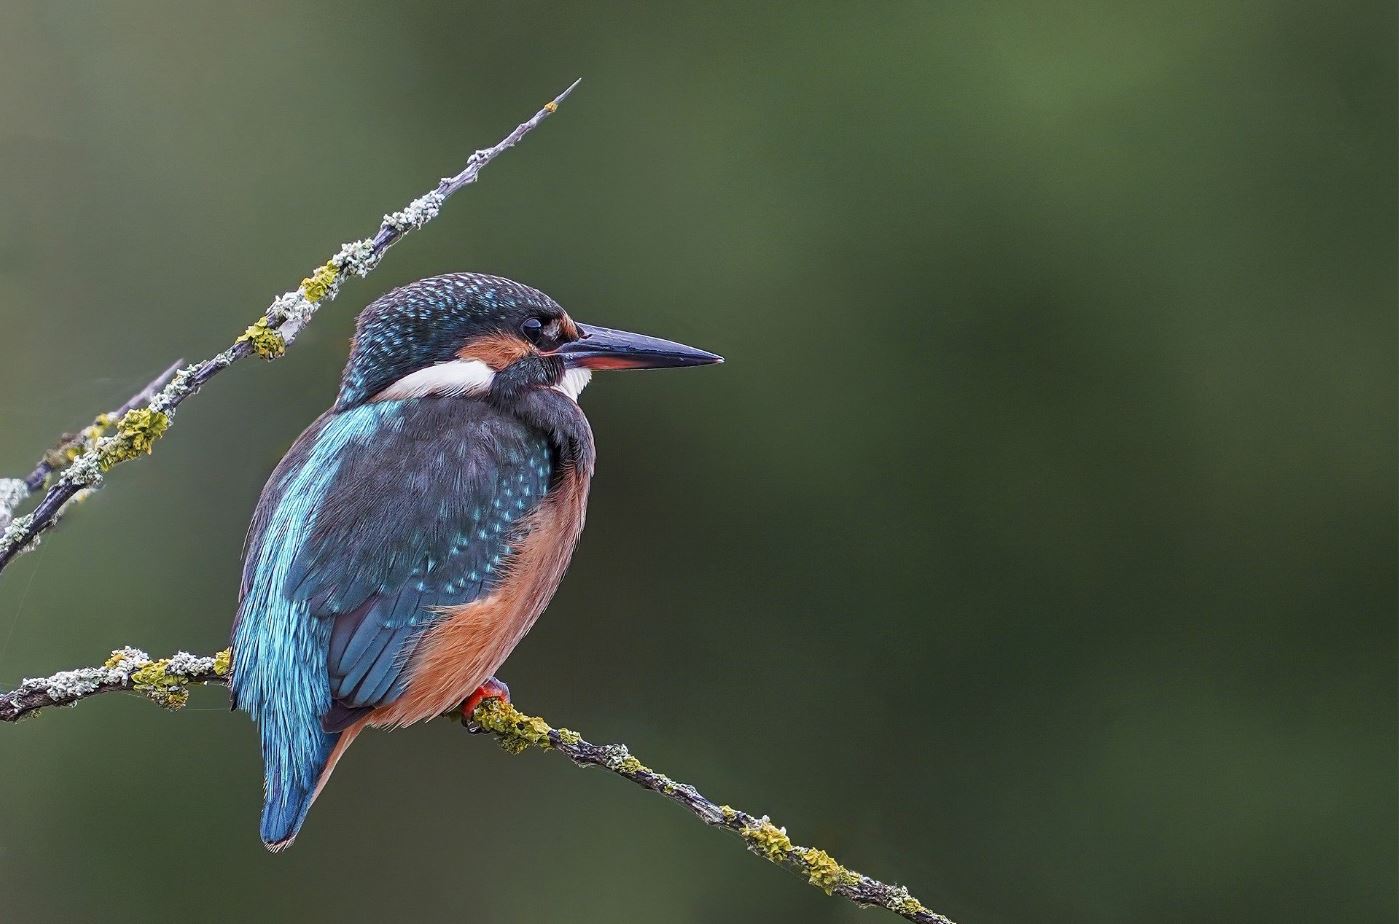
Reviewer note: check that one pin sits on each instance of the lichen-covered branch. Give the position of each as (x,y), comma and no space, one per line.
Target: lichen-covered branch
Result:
(167,682)
(13,491)
(518,732)
(138,427)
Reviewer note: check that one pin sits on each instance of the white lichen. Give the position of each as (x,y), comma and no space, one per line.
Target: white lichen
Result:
(290,306)
(174,391)
(71,684)
(615,755)
(86,470)
(898,898)
(418,213)
(15,532)
(356,257)
(188,665)
(292,311)
(66,685)
(126,659)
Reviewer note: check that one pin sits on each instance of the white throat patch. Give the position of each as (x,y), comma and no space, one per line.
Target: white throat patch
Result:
(459,378)
(465,378)
(574,382)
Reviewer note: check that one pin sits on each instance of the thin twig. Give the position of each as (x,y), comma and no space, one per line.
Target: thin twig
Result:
(167,682)
(140,427)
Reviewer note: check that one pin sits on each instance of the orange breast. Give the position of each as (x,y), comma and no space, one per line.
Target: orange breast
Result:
(471,642)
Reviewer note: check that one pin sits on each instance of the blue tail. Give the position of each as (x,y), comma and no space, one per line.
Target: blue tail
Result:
(287,796)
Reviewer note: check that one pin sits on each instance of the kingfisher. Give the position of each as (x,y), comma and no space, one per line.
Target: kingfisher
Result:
(412,535)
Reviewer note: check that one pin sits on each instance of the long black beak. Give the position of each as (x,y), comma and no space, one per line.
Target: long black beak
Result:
(603,348)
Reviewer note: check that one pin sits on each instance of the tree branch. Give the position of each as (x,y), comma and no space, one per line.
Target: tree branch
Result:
(167,682)
(14,490)
(138,428)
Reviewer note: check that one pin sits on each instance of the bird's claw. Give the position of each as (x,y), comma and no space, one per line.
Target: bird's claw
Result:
(491,688)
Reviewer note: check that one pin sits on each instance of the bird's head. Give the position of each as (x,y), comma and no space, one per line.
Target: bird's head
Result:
(470,334)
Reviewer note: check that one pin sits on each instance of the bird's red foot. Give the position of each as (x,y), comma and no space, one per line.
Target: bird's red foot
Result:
(491,688)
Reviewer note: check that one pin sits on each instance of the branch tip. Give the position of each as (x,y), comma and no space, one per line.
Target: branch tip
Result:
(567,90)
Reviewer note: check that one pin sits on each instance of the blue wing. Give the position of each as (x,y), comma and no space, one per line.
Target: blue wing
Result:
(377,516)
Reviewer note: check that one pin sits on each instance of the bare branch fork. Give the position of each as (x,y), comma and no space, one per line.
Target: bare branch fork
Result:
(77,463)
(167,682)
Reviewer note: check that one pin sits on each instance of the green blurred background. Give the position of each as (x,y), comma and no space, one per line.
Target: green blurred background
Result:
(1035,548)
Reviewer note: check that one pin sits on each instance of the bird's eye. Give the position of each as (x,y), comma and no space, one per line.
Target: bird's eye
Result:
(532,328)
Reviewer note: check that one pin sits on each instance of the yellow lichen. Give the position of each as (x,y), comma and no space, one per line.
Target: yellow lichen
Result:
(142,427)
(631,764)
(315,286)
(160,685)
(569,736)
(729,812)
(824,872)
(768,840)
(551,106)
(137,432)
(911,905)
(265,341)
(223,661)
(515,730)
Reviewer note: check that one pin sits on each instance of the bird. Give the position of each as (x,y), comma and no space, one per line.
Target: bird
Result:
(415,531)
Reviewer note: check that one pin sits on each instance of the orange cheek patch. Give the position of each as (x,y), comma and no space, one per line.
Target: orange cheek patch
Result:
(496,350)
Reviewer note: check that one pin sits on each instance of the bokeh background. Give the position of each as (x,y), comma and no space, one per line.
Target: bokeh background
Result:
(1036,547)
